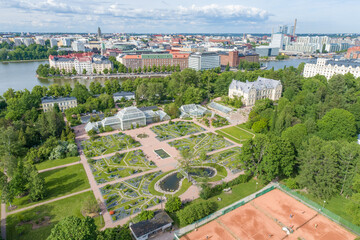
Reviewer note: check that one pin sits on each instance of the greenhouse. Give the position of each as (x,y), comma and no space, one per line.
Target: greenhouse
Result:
(220,108)
(156,116)
(193,110)
(131,117)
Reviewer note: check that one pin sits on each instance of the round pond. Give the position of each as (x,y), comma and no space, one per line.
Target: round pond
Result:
(202,172)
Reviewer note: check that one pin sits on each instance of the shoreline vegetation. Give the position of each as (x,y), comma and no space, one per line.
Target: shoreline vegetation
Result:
(20,61)
(110,76)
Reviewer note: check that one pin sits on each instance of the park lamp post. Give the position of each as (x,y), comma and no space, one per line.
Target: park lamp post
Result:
(100,218)
(323,205)
(256,185)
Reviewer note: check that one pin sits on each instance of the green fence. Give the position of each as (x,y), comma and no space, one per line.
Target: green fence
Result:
(264,192)
(233,207)
(334,217)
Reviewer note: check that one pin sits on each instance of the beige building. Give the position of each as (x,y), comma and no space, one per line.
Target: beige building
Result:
(64,103)
(251,91)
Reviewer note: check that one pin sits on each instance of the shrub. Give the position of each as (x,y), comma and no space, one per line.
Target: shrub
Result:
(91,133)
(291,183)
(108,129)
(195,212)
(173,204)
(206,192)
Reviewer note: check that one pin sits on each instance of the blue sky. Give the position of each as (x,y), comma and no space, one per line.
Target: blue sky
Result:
(165,16)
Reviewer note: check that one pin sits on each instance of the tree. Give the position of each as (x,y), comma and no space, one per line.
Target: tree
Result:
(295,134)
(119,232)
(91,206)
(74,228)
(94,71)
(173,204)
(145,215)
(319,167)
(80,92)
(268,157)
(74,72)
(37,188)
(84,71)
(337,124)
(227,68)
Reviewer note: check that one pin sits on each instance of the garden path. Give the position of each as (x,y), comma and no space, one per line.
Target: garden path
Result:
(3,220)
(61,166)
(46,202)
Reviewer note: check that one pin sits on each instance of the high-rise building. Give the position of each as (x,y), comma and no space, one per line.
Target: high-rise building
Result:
(277,40)
(99,32)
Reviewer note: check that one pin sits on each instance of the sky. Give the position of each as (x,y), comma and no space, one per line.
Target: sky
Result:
(181,16)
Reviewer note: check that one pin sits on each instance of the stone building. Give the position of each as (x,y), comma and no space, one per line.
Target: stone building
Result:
(251,91)
(64,103)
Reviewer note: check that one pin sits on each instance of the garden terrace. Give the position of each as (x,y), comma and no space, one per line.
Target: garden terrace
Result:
(130,196)
(229,158)
(204,142)
(108,144)
(177,129)
(120,165)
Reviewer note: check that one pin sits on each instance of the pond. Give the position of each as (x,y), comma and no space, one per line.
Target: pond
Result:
(202,172)
(171,183)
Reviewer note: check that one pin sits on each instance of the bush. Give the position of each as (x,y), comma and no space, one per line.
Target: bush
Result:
(196,212)
(291,183)
(206,192)
(173,204)
(91,133)
(144,215)
(108,129)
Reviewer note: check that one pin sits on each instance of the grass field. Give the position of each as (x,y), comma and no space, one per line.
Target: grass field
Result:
(235,134)
(54,163)
(56,211)
(336,205)
(59,182)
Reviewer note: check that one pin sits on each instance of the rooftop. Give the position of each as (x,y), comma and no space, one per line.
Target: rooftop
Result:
(259,84)
(130,113)
(54,99)
(144,227)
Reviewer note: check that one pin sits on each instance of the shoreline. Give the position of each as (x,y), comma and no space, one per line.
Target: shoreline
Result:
(23,61)
(110,76)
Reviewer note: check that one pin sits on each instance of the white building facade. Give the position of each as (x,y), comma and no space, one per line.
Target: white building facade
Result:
(251,91)
(329,68)
(204,61)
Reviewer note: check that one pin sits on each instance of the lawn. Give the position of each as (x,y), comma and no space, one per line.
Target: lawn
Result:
(108,144)
(336,204)
(56,211)
(130,196)
(238,192)
(120,165)
(229,158)
(54,163)
(201,143)
(236,134)
(59,182)
(175,129)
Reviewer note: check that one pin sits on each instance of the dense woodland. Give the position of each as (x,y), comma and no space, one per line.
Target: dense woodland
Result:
(307,139)
(10,52)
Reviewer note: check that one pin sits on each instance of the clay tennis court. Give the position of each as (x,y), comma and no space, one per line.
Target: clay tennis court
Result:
(264,218)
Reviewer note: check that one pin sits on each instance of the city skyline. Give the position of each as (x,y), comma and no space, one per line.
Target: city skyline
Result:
(140,16)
